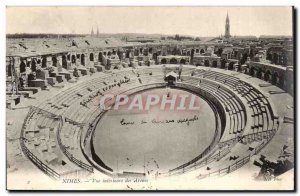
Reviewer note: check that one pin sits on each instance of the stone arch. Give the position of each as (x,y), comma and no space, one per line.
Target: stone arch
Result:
(202,51)
(206,63)
(22,67)
(223,63)
(163,61)
(219,52)
(120,54)
(100,57)
(197,50)
(105,53)
(214,64)
(127,54)
(150,50)
(173,61)
(9,69)
(135,52)
(269,57)
(192,53)
(146,52)
(259,73)
(64,62)
(82,59)
(275,58)
(33,65)
(44,61)
(267,76)
(108,53)
(91,56)
(73,59)
(230,66)
(54,61)
(154,56)
(275,78)
(182,61)
(252,71)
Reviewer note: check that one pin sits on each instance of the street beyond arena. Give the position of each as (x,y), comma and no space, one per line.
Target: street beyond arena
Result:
(145,102)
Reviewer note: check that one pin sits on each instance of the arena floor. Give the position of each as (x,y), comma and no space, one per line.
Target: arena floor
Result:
(158,145)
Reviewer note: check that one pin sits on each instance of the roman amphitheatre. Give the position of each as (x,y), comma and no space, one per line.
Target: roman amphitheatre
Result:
(57,130)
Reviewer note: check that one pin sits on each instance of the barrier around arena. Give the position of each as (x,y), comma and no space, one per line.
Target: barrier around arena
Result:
(42,166)
(238,164)
(68,154)
(228,169)
(195,165)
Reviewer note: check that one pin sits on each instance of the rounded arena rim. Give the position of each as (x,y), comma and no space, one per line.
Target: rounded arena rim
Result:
(243,115)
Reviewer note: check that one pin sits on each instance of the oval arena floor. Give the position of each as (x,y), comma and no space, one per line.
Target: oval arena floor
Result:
(58,129)
(162,142)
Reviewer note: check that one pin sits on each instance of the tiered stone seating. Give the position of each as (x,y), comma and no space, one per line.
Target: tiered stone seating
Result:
(236,115)
(79,113)
(70,144)
(256,101)
(187,71)
(249,116)
(40,139)
(262,120)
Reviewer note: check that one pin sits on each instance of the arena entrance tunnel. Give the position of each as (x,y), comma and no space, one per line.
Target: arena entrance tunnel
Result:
(117,145)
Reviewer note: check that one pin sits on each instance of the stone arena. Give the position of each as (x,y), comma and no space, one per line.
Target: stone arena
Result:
(58,129)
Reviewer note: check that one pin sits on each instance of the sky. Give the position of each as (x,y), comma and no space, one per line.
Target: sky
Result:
(194,21)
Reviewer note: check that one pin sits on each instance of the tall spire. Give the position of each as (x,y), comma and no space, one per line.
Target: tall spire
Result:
(227,17)
(97,31)
(227,27)
(92,32)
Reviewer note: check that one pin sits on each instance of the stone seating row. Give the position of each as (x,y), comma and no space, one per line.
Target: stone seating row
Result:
(40,139)
(235,118)
(261,110)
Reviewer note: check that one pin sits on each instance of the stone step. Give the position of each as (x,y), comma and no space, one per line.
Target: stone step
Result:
(51,80)
(67,76)
(37,83)
(99,68)
(32,89)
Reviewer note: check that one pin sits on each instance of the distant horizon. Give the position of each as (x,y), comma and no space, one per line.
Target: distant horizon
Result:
(192,21)
(86,34)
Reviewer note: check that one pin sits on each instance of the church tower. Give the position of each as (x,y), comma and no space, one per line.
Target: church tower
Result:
(92,32)
(97,31)
(227,27)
